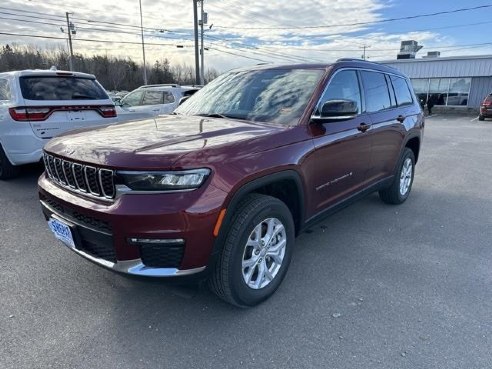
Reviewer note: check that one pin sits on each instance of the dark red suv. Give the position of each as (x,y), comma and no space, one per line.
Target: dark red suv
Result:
(221,188)
(486,108)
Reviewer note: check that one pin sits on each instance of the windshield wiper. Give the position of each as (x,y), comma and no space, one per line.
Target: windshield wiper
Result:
(223,116)
(82,97)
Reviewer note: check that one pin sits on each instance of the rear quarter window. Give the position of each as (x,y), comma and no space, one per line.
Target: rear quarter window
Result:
(402,92)
(61,88)
(4,90)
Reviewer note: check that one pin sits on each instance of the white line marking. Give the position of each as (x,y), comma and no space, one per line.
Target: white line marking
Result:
(474,119)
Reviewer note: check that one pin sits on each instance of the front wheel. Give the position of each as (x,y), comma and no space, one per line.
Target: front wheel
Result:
(256,252)
(400,189)
(481,118)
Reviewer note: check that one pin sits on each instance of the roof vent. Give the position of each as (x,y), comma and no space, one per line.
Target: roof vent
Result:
(408,49)
(432,54)
(53,68)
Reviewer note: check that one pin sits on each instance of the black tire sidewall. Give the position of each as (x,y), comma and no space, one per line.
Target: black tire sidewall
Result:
(240,290)
(406,154)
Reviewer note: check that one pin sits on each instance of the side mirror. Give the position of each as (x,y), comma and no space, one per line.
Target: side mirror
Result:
(337,110)
(183,99)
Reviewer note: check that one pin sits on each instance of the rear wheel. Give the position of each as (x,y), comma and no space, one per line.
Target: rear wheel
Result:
(256,253)
(7,170)
(400,189)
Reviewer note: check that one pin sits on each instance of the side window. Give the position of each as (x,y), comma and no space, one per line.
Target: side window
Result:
(343,86)
(4,89)
(133,98)
(168,97)
(152,98)
(403,94)
(376,91)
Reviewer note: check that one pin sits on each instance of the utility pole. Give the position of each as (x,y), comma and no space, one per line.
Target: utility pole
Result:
(202,69)
(364,47)
(143,44)
(69,31)
(195,22)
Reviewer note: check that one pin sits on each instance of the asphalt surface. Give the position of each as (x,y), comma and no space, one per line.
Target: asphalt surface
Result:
(373,286)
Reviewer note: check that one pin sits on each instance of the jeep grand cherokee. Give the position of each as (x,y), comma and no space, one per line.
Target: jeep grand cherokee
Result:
(221,188)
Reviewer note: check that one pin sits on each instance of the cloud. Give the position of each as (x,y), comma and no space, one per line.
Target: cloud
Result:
(242,32)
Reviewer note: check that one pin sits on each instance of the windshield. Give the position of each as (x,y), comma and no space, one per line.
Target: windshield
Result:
(271,95)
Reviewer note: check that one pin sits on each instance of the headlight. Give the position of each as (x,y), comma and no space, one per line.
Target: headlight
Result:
(164,181)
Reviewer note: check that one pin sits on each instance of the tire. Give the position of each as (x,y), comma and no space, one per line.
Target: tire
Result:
(399,191)
(7,170)
(232,279)
(481,118)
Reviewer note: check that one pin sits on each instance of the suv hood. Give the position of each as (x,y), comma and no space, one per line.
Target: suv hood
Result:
(155,143)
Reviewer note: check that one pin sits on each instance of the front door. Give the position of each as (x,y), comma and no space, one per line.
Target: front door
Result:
(337,168)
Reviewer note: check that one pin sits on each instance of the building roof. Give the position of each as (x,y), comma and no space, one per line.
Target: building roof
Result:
(454,67)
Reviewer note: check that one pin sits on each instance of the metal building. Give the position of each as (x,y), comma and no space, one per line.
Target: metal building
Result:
(449,82)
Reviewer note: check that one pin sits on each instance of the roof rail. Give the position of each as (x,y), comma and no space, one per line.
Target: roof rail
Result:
(350,59)
(161,85)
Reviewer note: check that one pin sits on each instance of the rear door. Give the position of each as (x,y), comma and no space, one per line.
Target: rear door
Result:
(388,108)
(54,104)
(169,102)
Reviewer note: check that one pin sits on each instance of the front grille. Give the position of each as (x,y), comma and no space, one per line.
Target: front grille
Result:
(162,256)
(97,182)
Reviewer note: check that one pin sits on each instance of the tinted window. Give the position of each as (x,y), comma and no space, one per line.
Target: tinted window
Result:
(168,98)
(133,98)
(343,86)
(61,88)
(4,90)
(403,94)
(152,98)
(376,91)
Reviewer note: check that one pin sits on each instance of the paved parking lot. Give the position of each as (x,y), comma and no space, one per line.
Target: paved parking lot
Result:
(373,286)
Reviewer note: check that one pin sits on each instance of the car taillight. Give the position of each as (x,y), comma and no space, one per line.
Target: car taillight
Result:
(108,111)
(29,114)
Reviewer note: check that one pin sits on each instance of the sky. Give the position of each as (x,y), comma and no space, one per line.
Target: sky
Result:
(242,33)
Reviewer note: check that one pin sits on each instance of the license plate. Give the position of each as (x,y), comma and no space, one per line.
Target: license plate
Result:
(76,115)
(61,231)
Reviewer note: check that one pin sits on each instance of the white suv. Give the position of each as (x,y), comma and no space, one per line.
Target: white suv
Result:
(36,105)
(151,100)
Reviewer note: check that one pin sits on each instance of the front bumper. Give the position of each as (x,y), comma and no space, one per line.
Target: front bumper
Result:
(102,231)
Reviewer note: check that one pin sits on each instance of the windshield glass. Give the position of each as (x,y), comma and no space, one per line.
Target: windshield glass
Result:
(271,95)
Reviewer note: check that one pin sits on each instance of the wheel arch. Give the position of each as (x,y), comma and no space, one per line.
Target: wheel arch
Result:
(280,185)
(413,143)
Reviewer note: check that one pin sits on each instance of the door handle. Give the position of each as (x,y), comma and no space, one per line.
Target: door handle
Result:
(400,118)
(363,127)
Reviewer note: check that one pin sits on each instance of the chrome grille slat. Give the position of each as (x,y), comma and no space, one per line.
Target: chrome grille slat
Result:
(67,172)
(89,180)
(58,170)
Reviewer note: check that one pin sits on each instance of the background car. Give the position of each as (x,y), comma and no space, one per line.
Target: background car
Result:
(486,108)
(152,100)
(36,105)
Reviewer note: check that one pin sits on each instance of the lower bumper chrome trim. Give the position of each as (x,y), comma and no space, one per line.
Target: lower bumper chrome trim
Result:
(136,267)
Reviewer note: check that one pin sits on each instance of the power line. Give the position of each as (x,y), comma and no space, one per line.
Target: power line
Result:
(363,23)
(83,39)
